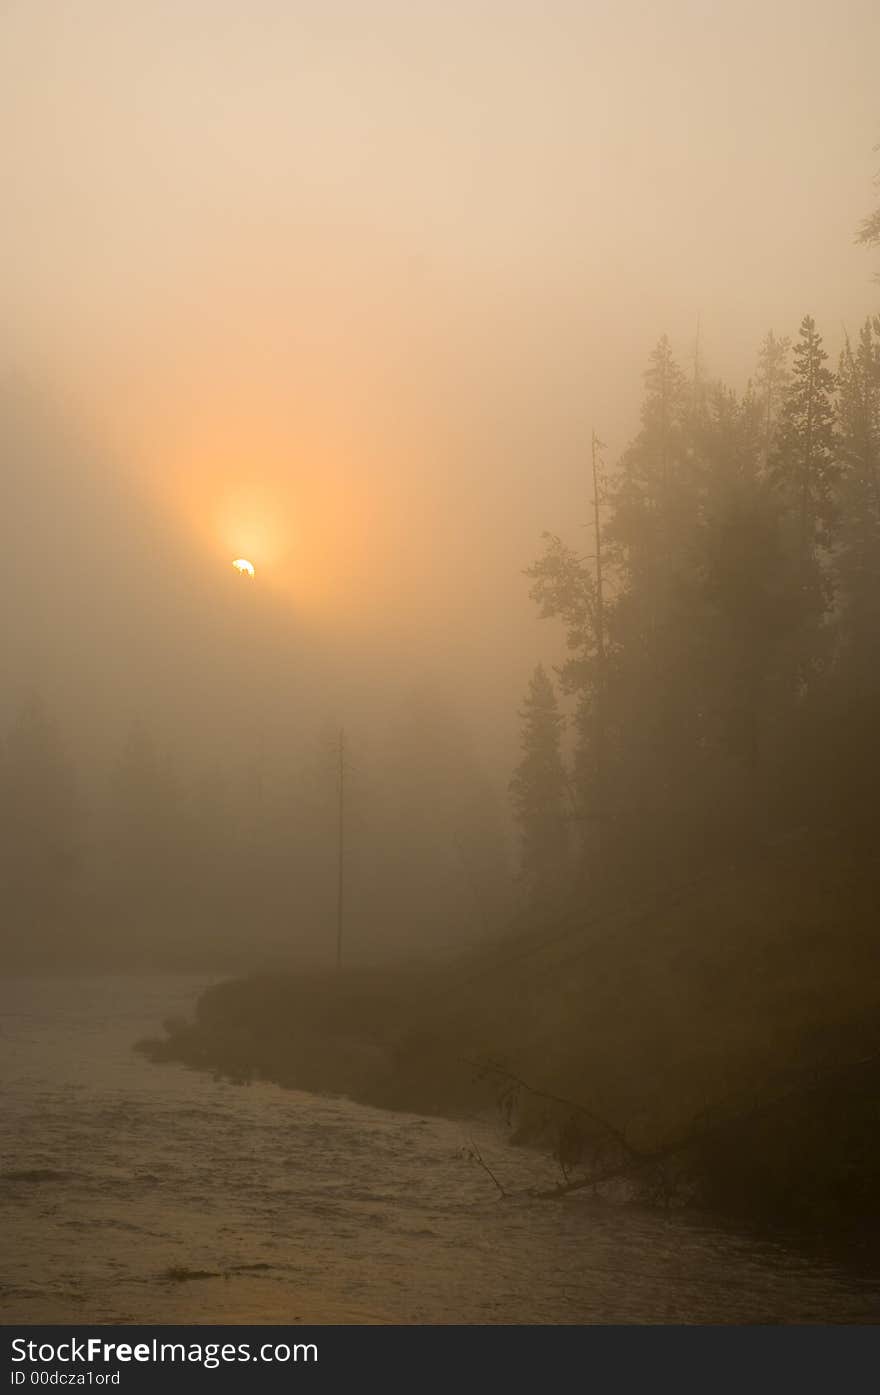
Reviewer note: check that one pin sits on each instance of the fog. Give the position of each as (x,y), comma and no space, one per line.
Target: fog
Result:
(347,286)
(345,290)
(529,355)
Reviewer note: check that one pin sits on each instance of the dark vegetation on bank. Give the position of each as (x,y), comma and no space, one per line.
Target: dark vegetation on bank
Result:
(717,1045)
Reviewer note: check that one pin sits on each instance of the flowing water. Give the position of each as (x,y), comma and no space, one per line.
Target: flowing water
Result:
(132,1192)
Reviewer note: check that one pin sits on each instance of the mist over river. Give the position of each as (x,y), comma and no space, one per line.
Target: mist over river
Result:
(133,1192)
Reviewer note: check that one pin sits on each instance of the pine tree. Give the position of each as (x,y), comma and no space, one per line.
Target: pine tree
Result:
(654,478)
(538,787)
(657,506)
(743,599)
(773,377)
(858,562)
(564,586)
(803,462)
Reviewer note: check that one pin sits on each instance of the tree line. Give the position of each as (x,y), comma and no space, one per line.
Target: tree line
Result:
(721,681)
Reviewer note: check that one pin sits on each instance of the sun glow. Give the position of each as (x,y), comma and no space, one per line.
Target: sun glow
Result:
(292,500)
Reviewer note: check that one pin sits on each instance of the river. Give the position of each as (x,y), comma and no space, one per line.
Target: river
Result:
(132,1192)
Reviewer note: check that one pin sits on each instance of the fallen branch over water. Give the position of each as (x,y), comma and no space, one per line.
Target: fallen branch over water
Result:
(636,1160)
(491,1067)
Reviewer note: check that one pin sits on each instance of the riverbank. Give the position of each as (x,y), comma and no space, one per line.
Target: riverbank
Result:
(137,1193)
(720,1046)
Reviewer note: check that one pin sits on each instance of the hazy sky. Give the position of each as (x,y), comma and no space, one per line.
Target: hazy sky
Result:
(343,285)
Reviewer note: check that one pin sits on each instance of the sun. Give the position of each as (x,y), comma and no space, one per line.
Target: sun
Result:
(244,567)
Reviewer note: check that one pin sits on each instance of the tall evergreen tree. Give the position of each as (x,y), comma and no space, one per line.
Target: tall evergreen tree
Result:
(773,377)
(742,609)
(803,463)
(538,787)
(858,561)
(653,482)
(656,510)
(803,473)
(564,586)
